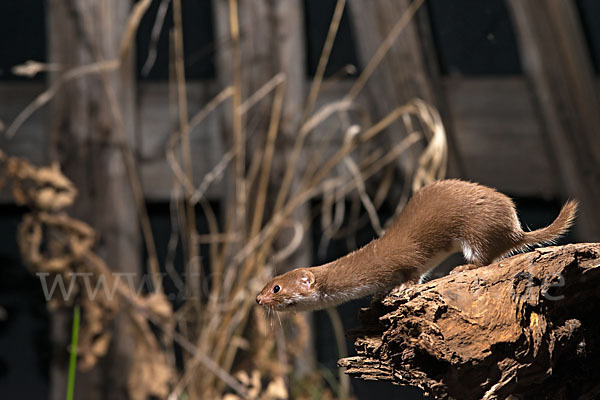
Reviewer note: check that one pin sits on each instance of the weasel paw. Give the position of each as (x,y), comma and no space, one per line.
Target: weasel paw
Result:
(399,289)
(461,268)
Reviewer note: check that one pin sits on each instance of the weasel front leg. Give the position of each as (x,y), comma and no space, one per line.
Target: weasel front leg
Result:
(465,267)
(398,290)
(409,279)
(395,291)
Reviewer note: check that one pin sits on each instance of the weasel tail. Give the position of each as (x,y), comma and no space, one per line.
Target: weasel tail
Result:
(557,228)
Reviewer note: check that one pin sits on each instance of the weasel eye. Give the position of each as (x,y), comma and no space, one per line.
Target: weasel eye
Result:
(276,288)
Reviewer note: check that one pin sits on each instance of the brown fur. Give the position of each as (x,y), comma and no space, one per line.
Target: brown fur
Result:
(442,218)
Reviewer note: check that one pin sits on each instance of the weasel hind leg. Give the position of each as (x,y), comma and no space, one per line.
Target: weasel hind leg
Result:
(477,257)
(410,279)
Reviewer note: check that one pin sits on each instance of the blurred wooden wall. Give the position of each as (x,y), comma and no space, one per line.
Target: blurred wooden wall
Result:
(529,136)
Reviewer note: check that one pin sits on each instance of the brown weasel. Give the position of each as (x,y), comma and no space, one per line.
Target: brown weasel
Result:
(442,218)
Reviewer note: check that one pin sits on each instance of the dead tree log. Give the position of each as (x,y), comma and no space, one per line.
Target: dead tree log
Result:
(526,326)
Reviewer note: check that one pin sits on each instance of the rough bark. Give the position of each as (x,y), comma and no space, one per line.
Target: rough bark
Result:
(525,326)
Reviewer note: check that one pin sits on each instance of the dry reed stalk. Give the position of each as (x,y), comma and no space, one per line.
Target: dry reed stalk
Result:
(349,145)
(210,365)
(222,325)
(94,68)
(308,193)
(384,187)
(324,58)
(31,68)
(314,185)
(263,91)
(198,193)
(186,211)
(315,159)
(307,127)
(345,188)
(173,242)
(154,36)
(371,164)
(100,268)
(191,367)
(218,238)
(213,228)
(239,137)
(238,221)
(133,22)
(261,193)
(43,98)
(371,133)
(198,118)
(340,338)
(252,174)
(262,189)
(214,175)
(385,46)
(330,225)
(209,108)
(135,182)
(190,246)
(314,91)
(176,168)
(352,166)
(132,25)
(102,67)
(434,160)
(359,182)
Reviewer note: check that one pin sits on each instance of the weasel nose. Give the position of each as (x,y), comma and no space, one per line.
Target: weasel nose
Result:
(259,299)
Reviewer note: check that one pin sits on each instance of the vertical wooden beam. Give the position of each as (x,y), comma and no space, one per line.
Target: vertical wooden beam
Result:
(271,42)
(87,142)
(557,63)
(440,100)
(409,69)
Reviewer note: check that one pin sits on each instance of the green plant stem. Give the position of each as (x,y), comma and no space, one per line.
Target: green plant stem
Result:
(73,356)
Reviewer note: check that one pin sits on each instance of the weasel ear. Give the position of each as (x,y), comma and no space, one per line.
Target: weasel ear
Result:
(307,280)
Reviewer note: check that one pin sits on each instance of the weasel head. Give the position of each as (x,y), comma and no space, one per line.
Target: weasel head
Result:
(292,291)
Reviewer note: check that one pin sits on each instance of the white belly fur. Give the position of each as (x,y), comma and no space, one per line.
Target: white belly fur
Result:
(438,258)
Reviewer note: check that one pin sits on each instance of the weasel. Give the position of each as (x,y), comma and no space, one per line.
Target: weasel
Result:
(443,218)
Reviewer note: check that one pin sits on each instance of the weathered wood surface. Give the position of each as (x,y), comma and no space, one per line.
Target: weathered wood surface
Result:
(499,135)
(83,136)
(400,76)
(526,326)
(494,121)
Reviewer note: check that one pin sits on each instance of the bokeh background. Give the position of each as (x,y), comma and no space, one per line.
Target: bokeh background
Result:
(178,123)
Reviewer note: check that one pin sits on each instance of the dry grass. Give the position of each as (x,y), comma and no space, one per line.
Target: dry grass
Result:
(223,326)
